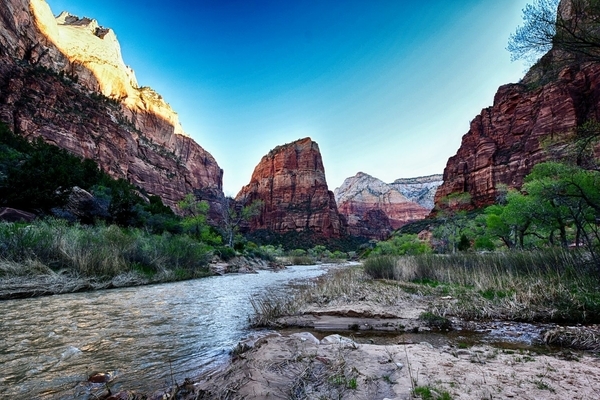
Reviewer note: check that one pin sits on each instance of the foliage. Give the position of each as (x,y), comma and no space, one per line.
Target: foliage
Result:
(195,222)
(235,214)
(559,204)
(550,285)
(38,177)
(100,251)
(407,244)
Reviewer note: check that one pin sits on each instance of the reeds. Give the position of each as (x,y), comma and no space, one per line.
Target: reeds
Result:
(102,252)
(548,285)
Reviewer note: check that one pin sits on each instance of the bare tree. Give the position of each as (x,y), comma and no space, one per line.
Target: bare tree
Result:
(235,213)
(569,26)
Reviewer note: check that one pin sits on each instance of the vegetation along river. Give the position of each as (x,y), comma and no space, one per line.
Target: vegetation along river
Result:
(145,336)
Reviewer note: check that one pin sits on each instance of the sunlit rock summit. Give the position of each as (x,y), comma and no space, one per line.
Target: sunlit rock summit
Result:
(63,79)
(290,181)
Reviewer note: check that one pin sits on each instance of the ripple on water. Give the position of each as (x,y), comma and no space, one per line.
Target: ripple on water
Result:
(51,345)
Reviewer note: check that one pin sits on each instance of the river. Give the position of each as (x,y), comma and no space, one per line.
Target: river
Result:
(145,336)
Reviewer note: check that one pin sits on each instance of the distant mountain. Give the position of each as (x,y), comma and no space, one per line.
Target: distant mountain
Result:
(374,208)
(421,190)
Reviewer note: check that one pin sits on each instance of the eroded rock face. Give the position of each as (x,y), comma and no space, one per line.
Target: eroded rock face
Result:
(64,80)
(374,208)
(525,126)
(290,180)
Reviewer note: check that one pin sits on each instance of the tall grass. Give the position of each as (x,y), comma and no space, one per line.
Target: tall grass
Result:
(95,251)
(549,285)
(342,286)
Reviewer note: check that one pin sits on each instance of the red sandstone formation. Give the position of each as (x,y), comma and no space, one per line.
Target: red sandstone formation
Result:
(520,130)
(134,135)
(290,180)
(529,123)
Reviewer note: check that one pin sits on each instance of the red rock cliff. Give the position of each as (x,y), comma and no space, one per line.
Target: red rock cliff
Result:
(56,79)
(290,180)
(521,128)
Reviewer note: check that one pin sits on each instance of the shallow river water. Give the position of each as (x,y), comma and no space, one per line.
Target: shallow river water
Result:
(145,336)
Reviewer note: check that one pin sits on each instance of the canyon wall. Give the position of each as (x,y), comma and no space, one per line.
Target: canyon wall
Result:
(63,79)
(290,181)
(525,125)
(529,122)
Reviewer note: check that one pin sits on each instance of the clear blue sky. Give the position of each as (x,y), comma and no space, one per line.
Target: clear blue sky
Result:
(385,87)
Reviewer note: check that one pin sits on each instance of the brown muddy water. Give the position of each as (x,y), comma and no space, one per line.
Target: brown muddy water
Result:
(144,337)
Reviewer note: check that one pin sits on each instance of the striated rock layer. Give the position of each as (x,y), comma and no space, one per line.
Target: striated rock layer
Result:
(374,209)
(522,128)
(290,180)
(63,79)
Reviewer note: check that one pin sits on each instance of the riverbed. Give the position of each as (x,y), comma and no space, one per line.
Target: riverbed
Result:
(145,337)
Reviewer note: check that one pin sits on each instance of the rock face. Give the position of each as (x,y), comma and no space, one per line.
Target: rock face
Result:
(63,79)
(374,209)
(421,190)
(290,180)
(528,123)
(522,128)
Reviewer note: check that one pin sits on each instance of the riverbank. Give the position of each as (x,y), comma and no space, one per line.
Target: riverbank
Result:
(39,280)
(393,347)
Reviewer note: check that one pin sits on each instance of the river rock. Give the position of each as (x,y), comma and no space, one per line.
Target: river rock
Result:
(305,337)
(340,340)
(13,215)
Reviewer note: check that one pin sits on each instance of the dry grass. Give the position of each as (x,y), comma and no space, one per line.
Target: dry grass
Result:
(554,286)
(574,337)
(348,285)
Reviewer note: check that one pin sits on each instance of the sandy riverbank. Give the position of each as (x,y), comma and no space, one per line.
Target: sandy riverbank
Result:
(409,363)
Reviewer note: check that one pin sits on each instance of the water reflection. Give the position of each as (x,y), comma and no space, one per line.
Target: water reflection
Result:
(50,345)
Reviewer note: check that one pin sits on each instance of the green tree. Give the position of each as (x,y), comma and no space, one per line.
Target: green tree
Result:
(44,176)
(570,195)
(399,245)
(195,220)
(235,214)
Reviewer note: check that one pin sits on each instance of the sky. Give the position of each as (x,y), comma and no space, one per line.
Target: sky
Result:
(385,87)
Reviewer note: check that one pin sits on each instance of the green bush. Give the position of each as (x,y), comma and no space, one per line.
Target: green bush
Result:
(406,244)
(225,253)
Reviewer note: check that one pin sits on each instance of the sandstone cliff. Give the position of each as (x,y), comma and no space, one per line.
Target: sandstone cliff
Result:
(421,190)
(529,122)
(522,128)
(63,79)
(290,180)
(374,209)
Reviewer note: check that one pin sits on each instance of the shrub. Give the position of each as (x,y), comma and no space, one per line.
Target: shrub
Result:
(406,244)
(225,253)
